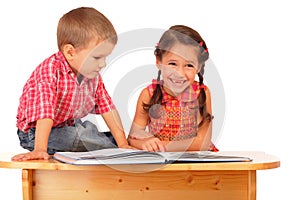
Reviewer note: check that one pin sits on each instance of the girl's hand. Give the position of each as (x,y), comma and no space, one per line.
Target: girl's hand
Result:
(140,134)
(152,144)
(127,146)
(33,155)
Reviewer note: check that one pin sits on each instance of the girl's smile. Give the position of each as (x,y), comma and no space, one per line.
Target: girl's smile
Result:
(179,67)
(174,83)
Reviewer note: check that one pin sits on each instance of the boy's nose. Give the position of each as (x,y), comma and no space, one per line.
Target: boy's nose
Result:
(102,63)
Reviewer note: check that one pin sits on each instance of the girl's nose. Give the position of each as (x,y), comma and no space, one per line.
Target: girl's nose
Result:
(180,71)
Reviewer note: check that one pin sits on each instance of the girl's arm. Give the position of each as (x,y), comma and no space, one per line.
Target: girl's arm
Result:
(138,137)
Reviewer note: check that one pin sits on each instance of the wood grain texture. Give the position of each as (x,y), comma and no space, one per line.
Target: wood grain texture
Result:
(50,179)
(27,184)
(70,185)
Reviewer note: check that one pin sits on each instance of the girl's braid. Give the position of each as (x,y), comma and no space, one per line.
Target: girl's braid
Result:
(157,95)
(202,100)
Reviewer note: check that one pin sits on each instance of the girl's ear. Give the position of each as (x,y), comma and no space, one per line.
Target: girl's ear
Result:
(200,66)
(69,51)
(158,64)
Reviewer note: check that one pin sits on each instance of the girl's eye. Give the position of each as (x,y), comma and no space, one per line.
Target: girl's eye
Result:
(190,66)
(97,57)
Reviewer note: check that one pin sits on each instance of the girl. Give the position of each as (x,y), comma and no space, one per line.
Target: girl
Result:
(176,111)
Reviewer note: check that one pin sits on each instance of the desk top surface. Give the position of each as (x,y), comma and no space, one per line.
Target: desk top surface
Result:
(261,161)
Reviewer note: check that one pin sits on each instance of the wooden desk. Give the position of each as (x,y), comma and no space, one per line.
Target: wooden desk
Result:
(42,180)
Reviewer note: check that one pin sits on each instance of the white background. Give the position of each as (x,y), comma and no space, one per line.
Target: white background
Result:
(254,45)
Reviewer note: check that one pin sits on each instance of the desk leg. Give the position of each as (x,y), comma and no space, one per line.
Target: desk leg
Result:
(252,185)
(27,184)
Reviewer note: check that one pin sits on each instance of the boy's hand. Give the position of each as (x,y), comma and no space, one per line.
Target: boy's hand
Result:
(33,155)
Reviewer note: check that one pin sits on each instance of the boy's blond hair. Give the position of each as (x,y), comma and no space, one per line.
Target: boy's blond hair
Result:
(81,25)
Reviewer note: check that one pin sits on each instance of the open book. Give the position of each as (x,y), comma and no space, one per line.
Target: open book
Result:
(130,156)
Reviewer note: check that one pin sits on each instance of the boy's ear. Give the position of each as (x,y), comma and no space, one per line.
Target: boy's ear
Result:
(69,51)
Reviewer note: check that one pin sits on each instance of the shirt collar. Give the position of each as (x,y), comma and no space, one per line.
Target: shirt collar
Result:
(66,68)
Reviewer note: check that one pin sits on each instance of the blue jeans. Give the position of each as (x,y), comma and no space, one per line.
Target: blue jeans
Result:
(83,136)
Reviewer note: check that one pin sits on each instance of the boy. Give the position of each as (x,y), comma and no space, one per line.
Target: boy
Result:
(66,87)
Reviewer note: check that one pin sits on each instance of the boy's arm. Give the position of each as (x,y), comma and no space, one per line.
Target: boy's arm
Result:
(113,122)
(43,129)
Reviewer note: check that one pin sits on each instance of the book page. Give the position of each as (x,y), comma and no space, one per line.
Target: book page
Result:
(131,156)
(110,156)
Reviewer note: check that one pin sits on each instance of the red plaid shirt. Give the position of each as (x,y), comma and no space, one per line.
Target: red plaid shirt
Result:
(52,91)
(179,117)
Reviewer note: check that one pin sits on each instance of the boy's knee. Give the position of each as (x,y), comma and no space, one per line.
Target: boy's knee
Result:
(26,139)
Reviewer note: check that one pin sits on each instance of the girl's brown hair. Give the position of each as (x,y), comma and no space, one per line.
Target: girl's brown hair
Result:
(79,26)
(187,36)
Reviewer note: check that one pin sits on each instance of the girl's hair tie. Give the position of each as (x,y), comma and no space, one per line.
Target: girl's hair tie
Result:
(202,86)
(201,45)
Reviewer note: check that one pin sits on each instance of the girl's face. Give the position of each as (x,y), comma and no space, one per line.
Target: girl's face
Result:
(179,67)
(90,60)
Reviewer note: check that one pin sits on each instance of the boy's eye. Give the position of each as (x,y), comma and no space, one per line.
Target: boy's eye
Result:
(172,63)
(97,57)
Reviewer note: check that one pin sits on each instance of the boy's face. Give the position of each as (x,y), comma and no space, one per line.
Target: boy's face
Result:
(179,67)
(90,60)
